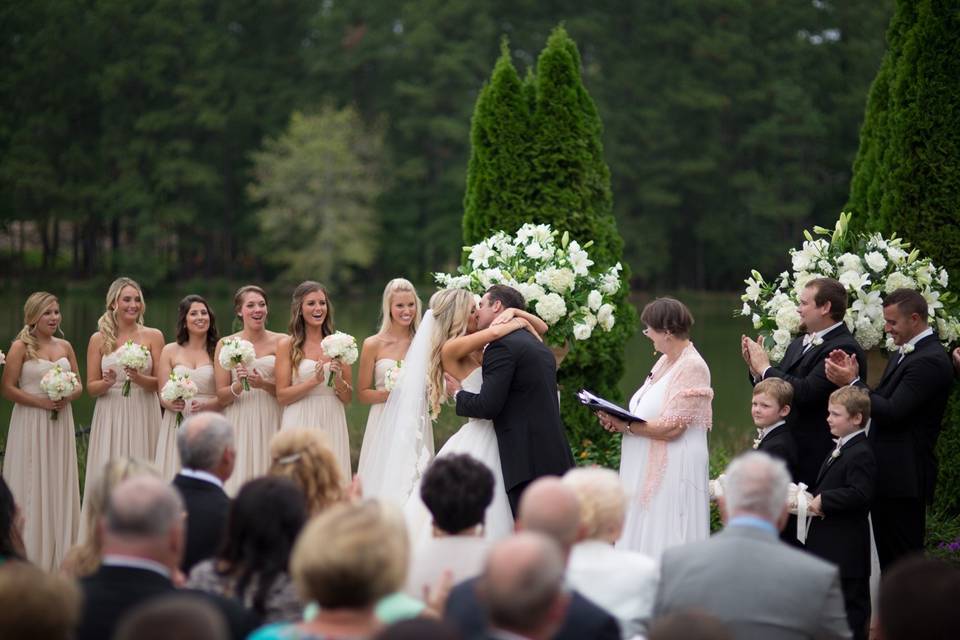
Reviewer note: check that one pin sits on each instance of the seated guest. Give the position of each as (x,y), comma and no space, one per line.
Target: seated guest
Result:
(689,625)
(11,526)
(173,617)
(522,586)
(918,599)
(143,541)
(456,489)
(251,566)
(304,456)
(843,492)
(346,560)
(622,582)
(83,558)
(35,604)
(745,575)
(549,507)
(207,454)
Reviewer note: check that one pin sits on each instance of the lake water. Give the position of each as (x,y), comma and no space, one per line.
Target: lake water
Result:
(716,334)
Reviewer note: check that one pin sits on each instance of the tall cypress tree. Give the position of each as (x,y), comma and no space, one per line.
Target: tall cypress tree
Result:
(537,156)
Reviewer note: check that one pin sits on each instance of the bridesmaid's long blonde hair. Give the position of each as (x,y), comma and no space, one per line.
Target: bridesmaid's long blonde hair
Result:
(451,313)
(107,324)
(297,328)
(398,285)
(33,309)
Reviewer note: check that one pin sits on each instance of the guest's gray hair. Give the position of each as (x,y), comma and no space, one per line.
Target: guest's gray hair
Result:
(202,439)
(756,483)
(143,507)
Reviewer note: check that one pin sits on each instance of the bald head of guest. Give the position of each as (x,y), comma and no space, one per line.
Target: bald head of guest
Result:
(145,519)
(550,507)
(522,585)
(756,485)
(205,443)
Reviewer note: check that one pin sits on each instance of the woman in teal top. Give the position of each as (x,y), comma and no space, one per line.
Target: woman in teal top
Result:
(11,526)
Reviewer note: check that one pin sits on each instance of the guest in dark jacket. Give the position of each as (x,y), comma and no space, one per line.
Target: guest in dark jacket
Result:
(207,454)
(842,497)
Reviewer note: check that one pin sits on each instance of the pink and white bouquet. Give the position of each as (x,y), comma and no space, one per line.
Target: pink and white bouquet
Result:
(552,272)
(340,346)
(132,356)
(178,387)
(392,376)
(58,384)
(235,352)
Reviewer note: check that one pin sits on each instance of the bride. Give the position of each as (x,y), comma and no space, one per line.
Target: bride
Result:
(447,341)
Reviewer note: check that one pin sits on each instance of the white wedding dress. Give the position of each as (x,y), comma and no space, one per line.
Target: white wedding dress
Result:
(478,439)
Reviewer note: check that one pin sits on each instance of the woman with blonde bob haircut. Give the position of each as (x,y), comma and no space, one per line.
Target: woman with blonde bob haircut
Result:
(303,456)
(40,465)
(346,560)
(122,425)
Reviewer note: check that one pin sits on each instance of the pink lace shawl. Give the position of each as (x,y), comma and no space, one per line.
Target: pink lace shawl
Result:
(687,403)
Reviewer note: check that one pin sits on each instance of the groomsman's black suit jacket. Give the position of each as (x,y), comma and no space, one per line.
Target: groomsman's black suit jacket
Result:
(112,592)
(207,506)
(846,486)
(519,394)
(780,444)
(584,619)
(906,412)
(811,390)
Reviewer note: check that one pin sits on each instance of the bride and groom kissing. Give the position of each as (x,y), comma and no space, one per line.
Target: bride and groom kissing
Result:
(490,357)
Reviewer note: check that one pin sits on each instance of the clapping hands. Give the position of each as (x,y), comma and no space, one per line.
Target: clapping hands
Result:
(754,354)
(841,368)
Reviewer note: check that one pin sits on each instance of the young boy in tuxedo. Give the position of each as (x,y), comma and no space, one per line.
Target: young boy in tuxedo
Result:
(842,497)
(769,409)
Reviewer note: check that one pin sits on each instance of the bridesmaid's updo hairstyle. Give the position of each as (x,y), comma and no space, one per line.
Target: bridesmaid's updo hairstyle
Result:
(297,328)
(302,455)
(238,297)
(668,315)
(451,313)
(108,324)
(398,285)
(183,336)
(33,309)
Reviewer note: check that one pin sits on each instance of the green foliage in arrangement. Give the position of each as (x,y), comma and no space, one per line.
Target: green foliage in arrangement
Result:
(537,156)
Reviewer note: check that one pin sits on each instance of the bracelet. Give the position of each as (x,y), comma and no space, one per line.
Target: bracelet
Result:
(236,394)
(630,428)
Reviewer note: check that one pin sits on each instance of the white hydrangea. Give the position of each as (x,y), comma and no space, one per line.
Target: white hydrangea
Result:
(875,261)
(530,291)
(896,254)
(781,337)
(551,308)
(849,319)
(490,277)
(898,280)
(605,316)
(533,250)
(850,262)
(610,281)
(947,331)
(868,332)
(560,280)
(803,279)
(801,261)
(777,352)
(787,318)
(582,331)
(594,300)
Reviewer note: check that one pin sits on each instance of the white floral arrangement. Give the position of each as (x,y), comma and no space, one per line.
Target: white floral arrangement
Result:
(392,376)
(235,352)
(869,266)
(132,356)
(551,271)
(178,387)
(340,346)
(58,384)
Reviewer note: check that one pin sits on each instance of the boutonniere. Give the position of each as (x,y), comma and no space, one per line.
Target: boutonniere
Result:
(906,348)
(835,454)
(817,341)
(756,441)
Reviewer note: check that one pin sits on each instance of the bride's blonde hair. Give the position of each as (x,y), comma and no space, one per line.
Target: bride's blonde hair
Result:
(451,313)
(107,324)
(33,309)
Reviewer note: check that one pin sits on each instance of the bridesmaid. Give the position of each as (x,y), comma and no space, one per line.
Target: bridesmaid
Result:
(254,414)
(122,426)
(40,465)
(191,354)
(401,312)
(303,370)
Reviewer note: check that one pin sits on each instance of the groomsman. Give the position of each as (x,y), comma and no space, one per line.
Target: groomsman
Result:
(907,408)
(823,303)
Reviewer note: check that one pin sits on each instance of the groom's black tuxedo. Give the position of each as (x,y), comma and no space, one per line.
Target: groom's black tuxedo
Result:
(811,389)
(519,394)
(906,412)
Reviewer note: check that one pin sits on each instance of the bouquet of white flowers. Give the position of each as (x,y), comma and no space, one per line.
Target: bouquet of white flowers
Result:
(552,272)
(392,376)
(178,387)
(340,346)
(58,384)
(132,356)
(235,352)
(869,266)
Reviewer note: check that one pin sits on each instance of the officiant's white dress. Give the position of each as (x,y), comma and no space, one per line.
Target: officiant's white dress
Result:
(666,481)
(478,439)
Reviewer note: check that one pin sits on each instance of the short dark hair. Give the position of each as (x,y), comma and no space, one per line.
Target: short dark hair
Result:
(918,599)
(830,290)
(509,297)
(457,489)
(669,315)
(908,301)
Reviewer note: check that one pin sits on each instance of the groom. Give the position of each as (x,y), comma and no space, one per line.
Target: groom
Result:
(519,394)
